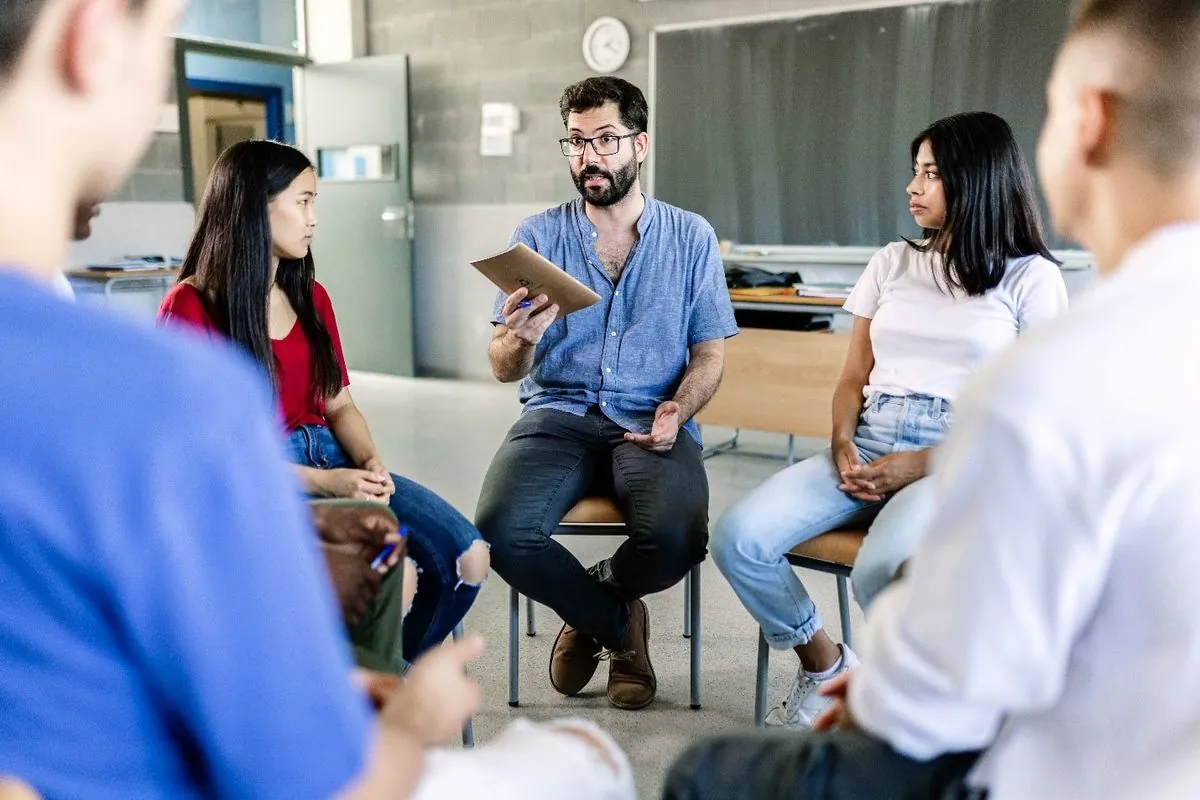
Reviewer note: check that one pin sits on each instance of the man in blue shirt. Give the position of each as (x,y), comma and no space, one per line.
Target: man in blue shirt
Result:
(609,395)
(166,627)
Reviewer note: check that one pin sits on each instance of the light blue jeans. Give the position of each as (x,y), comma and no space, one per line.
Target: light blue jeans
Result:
(803,501)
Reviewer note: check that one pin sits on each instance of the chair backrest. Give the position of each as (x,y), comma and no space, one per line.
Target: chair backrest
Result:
(779,381)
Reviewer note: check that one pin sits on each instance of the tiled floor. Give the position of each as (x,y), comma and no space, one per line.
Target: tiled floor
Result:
(443,434)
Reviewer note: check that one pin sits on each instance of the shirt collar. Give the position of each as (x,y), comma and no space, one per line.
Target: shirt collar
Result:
(643,224)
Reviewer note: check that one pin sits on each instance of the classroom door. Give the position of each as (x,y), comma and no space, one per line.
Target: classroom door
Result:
(354,125)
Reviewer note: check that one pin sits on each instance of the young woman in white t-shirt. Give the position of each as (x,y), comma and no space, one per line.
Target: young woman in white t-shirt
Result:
(927,315)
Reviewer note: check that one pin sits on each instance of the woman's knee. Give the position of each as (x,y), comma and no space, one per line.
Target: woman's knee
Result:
(735,537)
(473,565)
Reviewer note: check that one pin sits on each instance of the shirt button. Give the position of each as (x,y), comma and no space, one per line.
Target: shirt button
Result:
(603,403)
(608,369)
(593,234)
(612,333)
(617,293)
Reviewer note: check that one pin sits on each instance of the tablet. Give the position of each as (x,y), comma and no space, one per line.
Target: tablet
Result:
(520,266)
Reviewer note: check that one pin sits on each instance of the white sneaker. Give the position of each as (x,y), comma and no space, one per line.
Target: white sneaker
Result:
(804,704)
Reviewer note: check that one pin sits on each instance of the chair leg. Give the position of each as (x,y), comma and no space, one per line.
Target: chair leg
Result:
(687,606)
(760,682)
(530,617)
(791,449)
(844,608)
(694,609)
(468,731)
(514,647)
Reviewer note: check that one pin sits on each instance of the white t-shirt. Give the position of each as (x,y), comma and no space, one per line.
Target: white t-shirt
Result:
(1050,614)
(929,341)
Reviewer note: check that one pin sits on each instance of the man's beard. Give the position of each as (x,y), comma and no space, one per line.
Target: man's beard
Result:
(619,183)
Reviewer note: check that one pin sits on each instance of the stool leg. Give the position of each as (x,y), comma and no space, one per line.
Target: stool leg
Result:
(694,608)
(530,617)
(760,682)
(468,731)
(844,608)
(791,449)
(514,647)
(687,606)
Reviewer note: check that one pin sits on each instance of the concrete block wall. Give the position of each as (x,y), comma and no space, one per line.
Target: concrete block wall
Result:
(468,52)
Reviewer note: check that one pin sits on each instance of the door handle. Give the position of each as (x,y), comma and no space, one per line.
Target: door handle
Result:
(398,221)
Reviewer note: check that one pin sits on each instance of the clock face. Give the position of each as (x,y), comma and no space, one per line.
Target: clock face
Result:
(606,45)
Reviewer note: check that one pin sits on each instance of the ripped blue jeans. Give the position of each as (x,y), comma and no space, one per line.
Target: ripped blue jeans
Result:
(438,537)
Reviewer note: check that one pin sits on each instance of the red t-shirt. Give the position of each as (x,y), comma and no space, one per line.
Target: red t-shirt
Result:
(293,357)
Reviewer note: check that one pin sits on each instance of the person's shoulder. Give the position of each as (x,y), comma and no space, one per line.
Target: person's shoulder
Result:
(1034,267)
(887,258)
(686,222)
(549,220)
(182,293)
(184,300)
(134,368)
(321,296)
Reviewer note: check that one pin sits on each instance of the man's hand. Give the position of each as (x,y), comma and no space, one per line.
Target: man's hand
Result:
(378,686)
(354,582)
(667,419)
(372,527)
(375,465)
(436,698)
(873,482)
(526,323)
(355,484)
(837,715)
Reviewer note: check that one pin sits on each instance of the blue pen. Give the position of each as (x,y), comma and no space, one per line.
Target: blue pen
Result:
(524,304)
(387,551)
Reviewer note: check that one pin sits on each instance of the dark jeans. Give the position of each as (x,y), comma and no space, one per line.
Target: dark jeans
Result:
(791,765)
(438,535)
(552,459)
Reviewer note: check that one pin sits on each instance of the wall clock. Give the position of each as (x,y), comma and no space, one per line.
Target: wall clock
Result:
(606,45)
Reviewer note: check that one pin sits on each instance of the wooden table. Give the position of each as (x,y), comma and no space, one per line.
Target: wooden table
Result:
(779,382)
(753,300)
(111,277)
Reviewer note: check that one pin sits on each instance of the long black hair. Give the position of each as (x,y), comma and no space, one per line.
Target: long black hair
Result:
(229,258)
(992,213)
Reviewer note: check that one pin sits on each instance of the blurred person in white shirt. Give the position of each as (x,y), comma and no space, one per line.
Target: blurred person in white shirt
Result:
(1045,642)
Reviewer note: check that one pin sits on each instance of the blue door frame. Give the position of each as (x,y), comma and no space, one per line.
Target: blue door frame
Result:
(271,96)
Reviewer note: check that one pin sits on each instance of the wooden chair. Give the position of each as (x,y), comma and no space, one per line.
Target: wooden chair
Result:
(599,516)
(832,553)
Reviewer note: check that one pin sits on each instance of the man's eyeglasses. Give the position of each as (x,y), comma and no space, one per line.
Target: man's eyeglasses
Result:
(607,144)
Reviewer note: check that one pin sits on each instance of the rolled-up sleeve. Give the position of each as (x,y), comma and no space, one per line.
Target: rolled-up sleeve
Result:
(711,309)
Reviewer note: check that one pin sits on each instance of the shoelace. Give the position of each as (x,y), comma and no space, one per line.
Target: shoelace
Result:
(615,655)
(799,688)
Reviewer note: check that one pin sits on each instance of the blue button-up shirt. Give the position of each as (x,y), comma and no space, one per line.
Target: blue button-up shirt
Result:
(627,353)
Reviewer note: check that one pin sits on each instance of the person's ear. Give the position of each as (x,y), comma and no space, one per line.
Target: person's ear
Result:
(641,146)
(90,38)
(1097,125)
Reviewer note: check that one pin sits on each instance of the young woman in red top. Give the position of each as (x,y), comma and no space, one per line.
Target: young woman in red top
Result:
(249,277)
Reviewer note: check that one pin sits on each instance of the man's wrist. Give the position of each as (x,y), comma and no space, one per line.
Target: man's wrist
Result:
(517,343)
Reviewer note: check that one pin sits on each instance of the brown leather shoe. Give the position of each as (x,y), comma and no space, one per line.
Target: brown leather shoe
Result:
(573,661)
(631,681)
